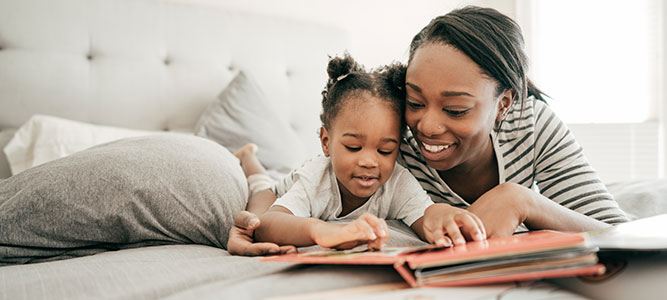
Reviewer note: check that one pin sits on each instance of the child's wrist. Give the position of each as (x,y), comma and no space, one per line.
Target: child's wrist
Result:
(315,229)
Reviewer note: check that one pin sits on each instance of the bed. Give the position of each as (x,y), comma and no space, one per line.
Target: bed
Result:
(161,91)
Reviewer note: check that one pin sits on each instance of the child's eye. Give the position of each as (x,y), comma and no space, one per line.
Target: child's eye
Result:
(352,149)
(455,113)
(383,152)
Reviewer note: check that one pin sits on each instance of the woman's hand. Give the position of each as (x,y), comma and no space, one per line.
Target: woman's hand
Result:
(503,208)
(367,229)
(444,224)
(241,242)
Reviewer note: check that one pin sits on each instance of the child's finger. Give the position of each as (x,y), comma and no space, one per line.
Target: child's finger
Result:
(381,240)
(364,230)
(379,225)
(287,249)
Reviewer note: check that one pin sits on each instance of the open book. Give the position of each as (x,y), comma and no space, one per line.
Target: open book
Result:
(524,256)
(647,234)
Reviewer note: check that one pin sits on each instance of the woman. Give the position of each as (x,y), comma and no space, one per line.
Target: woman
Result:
(481,138)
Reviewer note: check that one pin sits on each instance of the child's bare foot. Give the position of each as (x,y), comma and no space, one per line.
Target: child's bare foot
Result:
(247,149)
(248,157)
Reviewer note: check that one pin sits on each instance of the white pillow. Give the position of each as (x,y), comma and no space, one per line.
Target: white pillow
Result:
(45,138)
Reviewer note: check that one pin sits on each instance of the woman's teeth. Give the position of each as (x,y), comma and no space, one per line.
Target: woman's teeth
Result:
(435,148)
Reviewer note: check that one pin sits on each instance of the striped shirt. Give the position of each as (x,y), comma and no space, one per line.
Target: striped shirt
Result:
(535,149)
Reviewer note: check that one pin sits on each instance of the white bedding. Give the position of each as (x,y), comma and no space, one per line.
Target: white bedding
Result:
(45,138)
(203,272)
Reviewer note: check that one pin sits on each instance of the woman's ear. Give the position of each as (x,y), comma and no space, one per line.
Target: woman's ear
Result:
(324,140)
(504,104)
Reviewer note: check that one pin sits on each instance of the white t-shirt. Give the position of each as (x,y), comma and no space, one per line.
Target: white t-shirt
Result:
(312,191)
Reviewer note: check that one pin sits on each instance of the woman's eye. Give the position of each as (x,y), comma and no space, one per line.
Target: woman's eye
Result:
(352,149)
(414,105)
(456,113)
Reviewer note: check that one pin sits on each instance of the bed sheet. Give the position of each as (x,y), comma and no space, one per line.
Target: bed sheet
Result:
(204,272)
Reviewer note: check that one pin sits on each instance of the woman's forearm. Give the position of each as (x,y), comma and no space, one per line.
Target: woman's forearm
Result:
(544,213)
(286,229)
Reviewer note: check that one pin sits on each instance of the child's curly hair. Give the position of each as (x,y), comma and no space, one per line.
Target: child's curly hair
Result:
(347,78)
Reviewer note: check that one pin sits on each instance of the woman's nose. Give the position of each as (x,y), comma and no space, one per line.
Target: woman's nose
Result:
(431,124)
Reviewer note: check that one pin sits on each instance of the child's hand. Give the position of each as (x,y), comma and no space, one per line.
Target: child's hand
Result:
(241,238)
(441,219)
(367,229)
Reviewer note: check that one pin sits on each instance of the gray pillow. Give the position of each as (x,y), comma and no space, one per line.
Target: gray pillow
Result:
(641,198)
(243,114)
(153,190)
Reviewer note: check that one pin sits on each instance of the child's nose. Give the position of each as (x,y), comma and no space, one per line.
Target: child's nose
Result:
(368,159)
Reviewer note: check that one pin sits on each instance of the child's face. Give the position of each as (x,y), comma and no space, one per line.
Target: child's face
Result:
(363,144)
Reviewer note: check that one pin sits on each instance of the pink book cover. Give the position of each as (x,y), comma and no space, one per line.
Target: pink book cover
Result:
(522,243)
(406,259)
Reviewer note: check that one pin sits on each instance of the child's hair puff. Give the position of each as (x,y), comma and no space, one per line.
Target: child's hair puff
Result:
(348,78)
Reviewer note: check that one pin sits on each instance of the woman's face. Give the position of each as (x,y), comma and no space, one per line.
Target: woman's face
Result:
(363,144)
(451,107)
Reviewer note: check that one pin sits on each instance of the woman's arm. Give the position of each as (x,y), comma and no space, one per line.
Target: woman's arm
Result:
(563,175)
(503,208)
(571,196)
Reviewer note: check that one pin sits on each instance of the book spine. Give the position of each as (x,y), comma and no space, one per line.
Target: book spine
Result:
(405,272)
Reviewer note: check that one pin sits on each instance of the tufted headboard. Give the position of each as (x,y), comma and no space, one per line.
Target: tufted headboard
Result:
(148,64)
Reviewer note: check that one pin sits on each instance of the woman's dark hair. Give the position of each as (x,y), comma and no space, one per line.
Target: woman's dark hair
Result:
(490,39)
(348,79)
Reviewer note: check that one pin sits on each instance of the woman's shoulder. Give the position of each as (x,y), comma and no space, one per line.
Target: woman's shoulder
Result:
(519,122)
(409,155)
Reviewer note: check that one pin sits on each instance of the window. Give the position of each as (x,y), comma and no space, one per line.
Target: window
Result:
(598,59)
(602,62)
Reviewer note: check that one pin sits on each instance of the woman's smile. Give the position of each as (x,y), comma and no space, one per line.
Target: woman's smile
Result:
(436,151)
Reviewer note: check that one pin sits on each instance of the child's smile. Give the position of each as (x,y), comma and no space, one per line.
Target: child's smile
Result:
(363,144)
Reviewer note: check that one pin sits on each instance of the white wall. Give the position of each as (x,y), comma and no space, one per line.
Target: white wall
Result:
(380,31)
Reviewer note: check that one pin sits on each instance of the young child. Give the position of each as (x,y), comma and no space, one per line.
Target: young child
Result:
(357,179)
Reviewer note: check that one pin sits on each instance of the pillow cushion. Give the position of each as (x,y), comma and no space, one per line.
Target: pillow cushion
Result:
(5,136)
(641,198)
(129,193)
(45,138)
(244,114)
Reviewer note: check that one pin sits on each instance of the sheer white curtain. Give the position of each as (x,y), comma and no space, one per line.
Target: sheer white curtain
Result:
(602,62)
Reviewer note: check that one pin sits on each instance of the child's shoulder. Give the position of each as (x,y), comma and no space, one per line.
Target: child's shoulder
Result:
(315,164)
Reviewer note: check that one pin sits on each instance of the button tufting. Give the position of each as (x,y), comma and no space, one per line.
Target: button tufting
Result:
(89,56)
(288,73)
(230,68)
(167,61)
